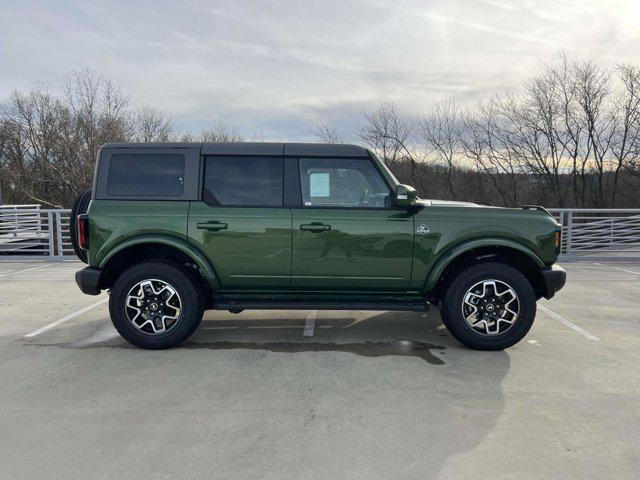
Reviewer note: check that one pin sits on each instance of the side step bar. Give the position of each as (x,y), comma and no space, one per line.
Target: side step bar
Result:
(320,305)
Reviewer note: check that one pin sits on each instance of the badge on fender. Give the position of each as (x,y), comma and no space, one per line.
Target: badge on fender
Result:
(422,230)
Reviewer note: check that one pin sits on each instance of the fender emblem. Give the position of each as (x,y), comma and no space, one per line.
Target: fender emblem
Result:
(422,230)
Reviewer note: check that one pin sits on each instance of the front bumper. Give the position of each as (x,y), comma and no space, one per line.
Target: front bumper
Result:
(88,279)
(554,279)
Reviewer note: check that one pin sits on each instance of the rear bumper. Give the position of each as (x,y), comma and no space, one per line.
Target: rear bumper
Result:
(554,279)
(88,279)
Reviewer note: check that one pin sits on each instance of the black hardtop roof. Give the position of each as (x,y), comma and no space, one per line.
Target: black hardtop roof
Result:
(255,148)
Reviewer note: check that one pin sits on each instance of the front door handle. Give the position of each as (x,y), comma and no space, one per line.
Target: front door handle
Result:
(315,227)
(214,225)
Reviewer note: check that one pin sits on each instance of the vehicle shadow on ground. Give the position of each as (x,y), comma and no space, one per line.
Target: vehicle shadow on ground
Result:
(408,379)
(366,334)
(448,408)
(372,335)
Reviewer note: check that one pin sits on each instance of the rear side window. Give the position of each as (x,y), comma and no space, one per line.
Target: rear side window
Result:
(146,175)
(243,181)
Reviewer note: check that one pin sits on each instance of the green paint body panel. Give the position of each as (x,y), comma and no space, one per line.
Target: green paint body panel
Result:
(252,252)
(454,230)
(367,252)
(116,224)
(364,249)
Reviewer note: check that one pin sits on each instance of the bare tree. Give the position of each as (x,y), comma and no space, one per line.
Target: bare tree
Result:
(598,122)
(441,130)
(486,142)
(393,137)
(570,136)
(625,142)
(389,133)
(50,143)
(328,133)
(150,124)
(222,132)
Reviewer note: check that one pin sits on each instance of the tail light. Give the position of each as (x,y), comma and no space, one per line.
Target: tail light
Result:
(83,231)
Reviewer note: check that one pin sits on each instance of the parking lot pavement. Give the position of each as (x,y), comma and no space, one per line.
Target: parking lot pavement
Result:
(319,394)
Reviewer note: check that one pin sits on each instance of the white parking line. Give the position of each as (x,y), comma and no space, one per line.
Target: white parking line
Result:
(628,271)
(15,272)
(567,323)
(104,334)
(273,327)
(64,319)
(310,324)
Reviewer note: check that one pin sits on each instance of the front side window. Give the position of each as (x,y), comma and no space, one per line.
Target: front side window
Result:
(146,175)
(243,181)
(342,183)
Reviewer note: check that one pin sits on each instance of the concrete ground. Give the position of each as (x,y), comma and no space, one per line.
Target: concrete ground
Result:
(364,395)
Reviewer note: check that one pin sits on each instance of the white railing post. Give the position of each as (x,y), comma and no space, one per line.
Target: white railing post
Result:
(562,227)
(59,236)
(50,225)
(15,222)
(569,230)
(39,217)
(611,232)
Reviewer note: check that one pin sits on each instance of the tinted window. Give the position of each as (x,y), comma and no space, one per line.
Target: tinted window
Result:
(342,183)
(243,181)
(146,175)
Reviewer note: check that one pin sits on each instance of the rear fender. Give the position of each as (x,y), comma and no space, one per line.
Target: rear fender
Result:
(199,259)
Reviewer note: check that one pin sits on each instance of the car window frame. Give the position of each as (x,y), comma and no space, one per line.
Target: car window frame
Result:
(205,200)
(190,191)
(393,206)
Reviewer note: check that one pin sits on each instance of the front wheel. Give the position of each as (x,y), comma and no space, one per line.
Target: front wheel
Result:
(489,306)
(154,305)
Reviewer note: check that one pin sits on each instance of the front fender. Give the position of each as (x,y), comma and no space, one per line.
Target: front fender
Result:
(450,255)
(200,260)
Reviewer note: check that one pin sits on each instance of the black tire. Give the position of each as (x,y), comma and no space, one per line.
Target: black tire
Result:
(451,308)
(189,297)
(80,207)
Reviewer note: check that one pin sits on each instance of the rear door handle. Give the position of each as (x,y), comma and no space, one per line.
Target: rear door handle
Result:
(315,227)
(214,225)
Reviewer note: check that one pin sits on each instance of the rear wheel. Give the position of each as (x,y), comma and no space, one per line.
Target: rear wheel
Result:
(155,305)
(80,207)
(489,306)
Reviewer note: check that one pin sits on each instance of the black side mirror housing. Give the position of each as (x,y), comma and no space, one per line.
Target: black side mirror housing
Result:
(405,195)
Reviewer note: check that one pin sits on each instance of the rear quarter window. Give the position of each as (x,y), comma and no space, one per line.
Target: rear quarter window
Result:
(146,175)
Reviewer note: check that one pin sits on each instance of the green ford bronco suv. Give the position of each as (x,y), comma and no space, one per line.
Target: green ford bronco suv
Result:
(173,229)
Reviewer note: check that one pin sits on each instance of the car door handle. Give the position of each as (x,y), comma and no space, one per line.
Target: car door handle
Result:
(212,226)
(315,227)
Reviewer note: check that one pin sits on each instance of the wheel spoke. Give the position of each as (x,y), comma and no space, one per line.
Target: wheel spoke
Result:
(490,307)
(153,306)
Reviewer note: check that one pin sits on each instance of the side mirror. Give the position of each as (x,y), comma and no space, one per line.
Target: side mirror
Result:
(405,195)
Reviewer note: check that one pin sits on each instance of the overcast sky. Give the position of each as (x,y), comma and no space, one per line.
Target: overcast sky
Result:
(280,67)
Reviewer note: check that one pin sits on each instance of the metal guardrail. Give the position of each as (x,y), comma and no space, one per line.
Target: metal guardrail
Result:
(31,232)
(612,232)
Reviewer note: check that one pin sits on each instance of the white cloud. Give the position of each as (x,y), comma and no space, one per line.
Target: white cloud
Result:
(279,67)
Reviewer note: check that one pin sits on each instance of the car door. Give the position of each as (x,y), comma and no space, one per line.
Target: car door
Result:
(241,224)
(347,234)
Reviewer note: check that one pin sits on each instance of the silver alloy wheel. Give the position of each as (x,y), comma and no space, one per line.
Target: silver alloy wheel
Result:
(490,307)
(153,306)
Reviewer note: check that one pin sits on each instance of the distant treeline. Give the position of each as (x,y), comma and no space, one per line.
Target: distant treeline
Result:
(569,137)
